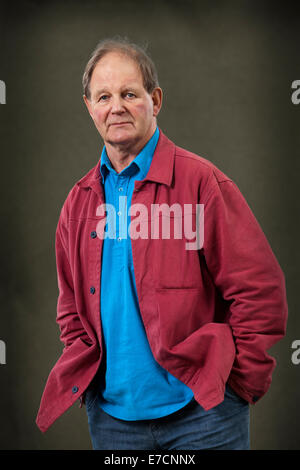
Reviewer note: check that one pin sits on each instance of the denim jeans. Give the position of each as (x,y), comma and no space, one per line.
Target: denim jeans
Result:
(225,426)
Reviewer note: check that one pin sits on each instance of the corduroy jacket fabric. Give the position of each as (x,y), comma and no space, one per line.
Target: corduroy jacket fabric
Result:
(210,314)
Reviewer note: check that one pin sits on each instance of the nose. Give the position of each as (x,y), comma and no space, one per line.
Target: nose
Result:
(117,106)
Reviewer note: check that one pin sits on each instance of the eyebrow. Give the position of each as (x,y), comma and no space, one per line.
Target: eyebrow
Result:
(106,90)
(101,90)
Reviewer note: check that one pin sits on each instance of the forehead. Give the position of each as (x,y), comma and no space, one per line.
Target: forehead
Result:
(116,69)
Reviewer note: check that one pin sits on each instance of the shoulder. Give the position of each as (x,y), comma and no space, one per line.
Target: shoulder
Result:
(191,162)
(198,172)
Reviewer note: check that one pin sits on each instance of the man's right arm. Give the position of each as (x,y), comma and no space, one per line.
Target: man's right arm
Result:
(67,316)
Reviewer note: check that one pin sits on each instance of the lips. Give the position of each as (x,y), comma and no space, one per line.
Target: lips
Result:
(119,123)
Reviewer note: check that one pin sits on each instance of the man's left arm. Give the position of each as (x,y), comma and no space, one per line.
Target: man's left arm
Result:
(247,274)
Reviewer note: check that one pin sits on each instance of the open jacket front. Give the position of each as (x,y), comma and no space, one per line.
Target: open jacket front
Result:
(210,314)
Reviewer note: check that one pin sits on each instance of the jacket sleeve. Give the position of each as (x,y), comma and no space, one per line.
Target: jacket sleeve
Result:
(67,316)
(248,276)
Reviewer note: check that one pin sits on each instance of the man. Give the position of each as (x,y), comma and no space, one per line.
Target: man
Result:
(166,343)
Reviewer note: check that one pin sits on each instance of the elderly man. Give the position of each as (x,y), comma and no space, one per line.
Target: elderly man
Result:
(165,341)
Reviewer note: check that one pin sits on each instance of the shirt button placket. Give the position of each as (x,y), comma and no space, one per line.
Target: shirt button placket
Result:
(119,213)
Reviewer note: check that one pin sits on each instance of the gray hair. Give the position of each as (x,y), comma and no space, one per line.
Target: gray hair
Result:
(133,51)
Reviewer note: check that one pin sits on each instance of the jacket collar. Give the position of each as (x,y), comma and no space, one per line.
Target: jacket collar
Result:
(160,171)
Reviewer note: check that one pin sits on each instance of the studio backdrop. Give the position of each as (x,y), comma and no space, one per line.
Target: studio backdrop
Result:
(230,75)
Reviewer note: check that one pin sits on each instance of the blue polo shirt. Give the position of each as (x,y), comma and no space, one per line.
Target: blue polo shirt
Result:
(134,386)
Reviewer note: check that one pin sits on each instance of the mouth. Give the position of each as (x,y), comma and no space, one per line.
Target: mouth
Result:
(119,123)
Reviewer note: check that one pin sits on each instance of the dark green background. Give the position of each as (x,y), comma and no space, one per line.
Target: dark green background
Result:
(226,69)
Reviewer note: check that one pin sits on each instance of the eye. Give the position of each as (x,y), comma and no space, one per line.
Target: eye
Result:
(103,98)
(129,94)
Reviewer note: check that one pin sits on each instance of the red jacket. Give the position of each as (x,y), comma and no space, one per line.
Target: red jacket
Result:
(210,314)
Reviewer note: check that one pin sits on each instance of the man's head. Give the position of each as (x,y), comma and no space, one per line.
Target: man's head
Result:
(122,93)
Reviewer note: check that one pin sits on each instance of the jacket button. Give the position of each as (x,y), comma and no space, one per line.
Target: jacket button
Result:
(93,234)
(92,290)
(255,398)
(75,389)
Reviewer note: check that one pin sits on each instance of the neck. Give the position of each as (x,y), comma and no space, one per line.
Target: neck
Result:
(120,156)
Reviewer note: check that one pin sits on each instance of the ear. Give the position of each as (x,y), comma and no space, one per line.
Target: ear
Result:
(157,96)
(89,106)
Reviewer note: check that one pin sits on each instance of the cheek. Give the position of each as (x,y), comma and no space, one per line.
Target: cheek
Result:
(143,112)
(99,116)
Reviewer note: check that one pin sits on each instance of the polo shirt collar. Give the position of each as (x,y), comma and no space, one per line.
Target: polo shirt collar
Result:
(160,171)
(140,163)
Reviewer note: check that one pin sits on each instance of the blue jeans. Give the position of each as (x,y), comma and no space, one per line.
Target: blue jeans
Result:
(225,426)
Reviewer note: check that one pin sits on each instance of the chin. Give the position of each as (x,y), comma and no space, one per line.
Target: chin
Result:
(121,138)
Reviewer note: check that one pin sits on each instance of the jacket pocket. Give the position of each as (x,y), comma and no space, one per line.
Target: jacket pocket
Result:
(182,312)
(189,339)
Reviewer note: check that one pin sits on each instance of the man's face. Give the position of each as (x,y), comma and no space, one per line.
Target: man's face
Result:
(123,111)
